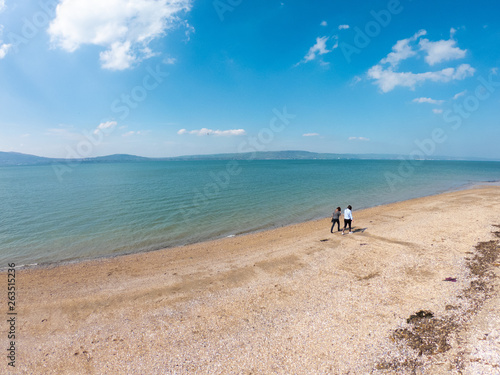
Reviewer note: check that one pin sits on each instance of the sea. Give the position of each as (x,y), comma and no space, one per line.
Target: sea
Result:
(83,211)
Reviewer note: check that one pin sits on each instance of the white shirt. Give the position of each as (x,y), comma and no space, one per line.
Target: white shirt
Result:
(347,214)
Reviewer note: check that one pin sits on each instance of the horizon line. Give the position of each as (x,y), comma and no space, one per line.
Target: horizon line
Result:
(390,156)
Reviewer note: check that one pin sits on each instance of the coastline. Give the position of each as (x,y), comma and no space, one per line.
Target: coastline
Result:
(468,186)
(221,305)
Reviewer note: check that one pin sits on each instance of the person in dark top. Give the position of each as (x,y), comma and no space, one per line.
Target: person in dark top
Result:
(336,219)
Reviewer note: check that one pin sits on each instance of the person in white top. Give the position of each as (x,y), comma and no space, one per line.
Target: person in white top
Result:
(347,219)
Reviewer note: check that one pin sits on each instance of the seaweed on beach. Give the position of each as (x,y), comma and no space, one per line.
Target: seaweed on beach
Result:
(479,266)
(428,335)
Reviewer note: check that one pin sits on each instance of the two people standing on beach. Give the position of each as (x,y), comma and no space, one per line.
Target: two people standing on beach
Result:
(347,219)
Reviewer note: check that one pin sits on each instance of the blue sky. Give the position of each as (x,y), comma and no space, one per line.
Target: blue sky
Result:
(83,78)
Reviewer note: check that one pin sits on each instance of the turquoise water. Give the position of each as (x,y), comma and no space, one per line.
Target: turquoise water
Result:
(109,209)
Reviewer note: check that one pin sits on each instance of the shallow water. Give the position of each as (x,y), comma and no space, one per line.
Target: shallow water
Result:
(109,209)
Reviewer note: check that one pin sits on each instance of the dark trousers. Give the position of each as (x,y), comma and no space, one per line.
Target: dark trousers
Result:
(335,221)
(346,222)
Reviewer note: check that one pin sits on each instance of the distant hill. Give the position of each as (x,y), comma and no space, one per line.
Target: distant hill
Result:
(280,155)
(15,158)
(117,158)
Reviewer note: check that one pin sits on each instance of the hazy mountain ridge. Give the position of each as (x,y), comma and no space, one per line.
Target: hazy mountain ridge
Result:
(19,159)
(16,158)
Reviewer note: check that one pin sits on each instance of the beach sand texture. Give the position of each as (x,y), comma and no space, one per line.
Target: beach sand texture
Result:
(294,300)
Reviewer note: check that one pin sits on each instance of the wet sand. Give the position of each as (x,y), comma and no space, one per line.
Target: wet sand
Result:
(293,300)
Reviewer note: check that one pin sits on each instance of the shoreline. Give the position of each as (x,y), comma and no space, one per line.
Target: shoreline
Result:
(295,299)
(467,186)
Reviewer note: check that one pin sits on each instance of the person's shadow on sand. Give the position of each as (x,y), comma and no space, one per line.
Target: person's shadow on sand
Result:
(358,230)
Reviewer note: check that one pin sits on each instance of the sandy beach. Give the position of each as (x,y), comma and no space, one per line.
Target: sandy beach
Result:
(293,300)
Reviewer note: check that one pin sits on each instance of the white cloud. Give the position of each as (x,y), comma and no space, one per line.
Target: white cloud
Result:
(148,53)
(2,5)
(324,23)
(343,27)
(310,135)
(437,111)
(402,50)
(318,49)
(118,57)
(456,96)
(387,79)
(169,60)
(428,100)
(4,48)
(105,127)
(205,131)
(336,38)
(442,50)
(355,81)
(123,27)
(189,30)
(359,139)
